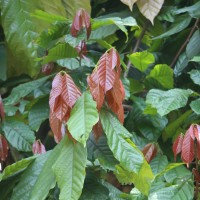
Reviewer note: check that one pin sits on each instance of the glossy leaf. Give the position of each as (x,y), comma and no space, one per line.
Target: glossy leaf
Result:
(149,151)
(187,153)
(83,117)
(178,25)
(70,172)
(19,135)
(150,8)
(195,76)
(177,145)
(3,148)
(166,101)
(141,60)
(38,147)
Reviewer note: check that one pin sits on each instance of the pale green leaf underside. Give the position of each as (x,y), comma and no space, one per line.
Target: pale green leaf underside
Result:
(195,76)
(69,170)
(195,105)
(167,101)
(83,117)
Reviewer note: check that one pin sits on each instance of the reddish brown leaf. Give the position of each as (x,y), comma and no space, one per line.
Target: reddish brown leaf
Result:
(187,153)
(191,131)
(97,131)
(63,95)
(177,145)
(38,147)
(96,90)
(197,132)
(120,114)
(198,149)
(47,68)
(56,127)
(82,49)
(2,112)
(149,151)
(3,148)
(81,20)
(105,73)
(196,174)
(114,58)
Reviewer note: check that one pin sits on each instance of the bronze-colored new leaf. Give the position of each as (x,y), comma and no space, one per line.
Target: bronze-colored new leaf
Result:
(149,151)
(3,148)
(2,112)
(38,147)
(177,145)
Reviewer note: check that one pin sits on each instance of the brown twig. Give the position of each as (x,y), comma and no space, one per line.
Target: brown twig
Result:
(185,43)
(137,44)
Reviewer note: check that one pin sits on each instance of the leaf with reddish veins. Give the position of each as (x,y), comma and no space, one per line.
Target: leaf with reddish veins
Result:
(198,149)
(191,131)
(38,147)
(149,152)
(56,127)
(187,153)
(96,90)
(97,131)
(3,148)
(105,73)
(177,145)
(197,132)
(2,112)
(114,58)
(81,20)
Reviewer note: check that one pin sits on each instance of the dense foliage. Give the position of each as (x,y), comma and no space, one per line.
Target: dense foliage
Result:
(98,99)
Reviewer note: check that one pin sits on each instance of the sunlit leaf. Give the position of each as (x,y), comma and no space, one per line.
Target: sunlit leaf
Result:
(129,3)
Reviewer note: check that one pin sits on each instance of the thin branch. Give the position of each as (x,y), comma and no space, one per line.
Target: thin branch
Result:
(137,44)
(185,43)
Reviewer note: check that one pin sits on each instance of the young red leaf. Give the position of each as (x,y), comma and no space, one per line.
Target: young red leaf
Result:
(187,153)
(96,91)
(82,49)
(196,174)
(105,72)
(97,131)
(114,58)
(177,145)
(149,151)
(191,131)
(3,148)
(198,149)
(81,20)
(38,147)
(197,132)
(2,112)
(47,68)
(56,127)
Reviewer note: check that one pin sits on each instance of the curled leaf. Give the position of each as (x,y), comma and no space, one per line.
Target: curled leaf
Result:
(3,148)
(38,147)
(149,151)
(177,145)
(81,20)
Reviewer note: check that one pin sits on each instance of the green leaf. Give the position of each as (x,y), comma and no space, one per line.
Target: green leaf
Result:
(180,23)
(162,74)
(3,63)
(167,101)
(19,135)
(15,168)
(38,113)
(59,52)
(195,105)
(125,151)
(150,8)
(181,63)
(158,164)
(83,117)
(70,172)
(195,76)
(23,190)
(141,60)
(24,89)
(192,48)
(193,10)
(196,59)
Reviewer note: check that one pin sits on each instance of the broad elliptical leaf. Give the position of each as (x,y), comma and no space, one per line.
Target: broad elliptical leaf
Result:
(3,148)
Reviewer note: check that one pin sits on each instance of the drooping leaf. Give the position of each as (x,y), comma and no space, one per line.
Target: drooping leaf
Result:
(2,112)
(129,3)
(162,74)
(38,113)
(150,8)
(97,131)
(149,151)
(70,172)
(180,23)
(195,76)
(187,152)
(141,60)
(166,101)
(24,89)
(19,135)
(38,147)
(83,117)
(177,145)
(3,148)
